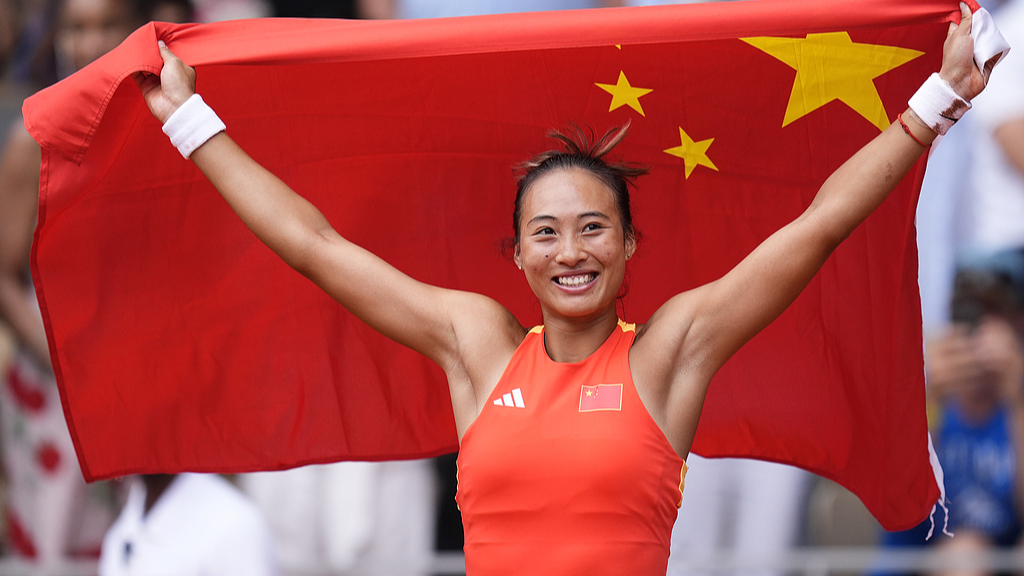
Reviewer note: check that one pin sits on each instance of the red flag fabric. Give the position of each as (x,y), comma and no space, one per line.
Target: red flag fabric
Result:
(182,343)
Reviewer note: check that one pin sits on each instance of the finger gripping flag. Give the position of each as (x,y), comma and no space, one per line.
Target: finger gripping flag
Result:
(180,342)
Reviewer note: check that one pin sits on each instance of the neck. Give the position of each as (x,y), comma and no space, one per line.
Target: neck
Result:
(574,340)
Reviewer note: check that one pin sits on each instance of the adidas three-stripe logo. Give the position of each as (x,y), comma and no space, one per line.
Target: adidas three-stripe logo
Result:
(515,399)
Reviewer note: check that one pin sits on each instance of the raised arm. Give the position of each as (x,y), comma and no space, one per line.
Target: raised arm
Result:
(445,325)
(692,335)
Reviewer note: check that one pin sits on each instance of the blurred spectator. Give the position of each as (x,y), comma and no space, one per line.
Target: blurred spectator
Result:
(976,374)
(997,180)
(51,513)
(187,525)
(73,33)
(350,517)
(961,196)
(748,507)
(32,22)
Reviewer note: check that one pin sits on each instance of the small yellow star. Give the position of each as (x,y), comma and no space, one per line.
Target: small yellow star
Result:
(831,67)
(624,94)
(693,153)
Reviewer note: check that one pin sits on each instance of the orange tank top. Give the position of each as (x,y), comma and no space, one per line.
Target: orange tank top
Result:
(565,472)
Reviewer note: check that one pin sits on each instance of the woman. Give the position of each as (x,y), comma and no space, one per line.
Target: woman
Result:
(51,515)
(588,482)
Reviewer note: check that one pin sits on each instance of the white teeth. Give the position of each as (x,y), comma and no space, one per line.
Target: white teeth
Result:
(574,280)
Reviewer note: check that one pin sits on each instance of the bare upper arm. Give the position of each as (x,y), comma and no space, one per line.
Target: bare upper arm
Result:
(432,320)
(470,336)
(702,328)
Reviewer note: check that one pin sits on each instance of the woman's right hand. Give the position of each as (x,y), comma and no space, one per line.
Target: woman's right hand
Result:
(166,92)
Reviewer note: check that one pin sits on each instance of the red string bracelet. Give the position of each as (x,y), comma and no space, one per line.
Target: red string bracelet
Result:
(907,130)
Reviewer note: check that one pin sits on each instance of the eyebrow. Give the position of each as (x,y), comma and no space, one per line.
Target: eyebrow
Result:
(541,217)
(546,217)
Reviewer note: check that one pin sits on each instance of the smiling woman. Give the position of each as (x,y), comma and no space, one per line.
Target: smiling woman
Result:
(573,433)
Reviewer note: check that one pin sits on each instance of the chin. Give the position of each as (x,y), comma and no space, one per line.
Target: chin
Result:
(582,311)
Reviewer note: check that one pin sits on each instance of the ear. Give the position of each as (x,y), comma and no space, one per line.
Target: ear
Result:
(630,245)
(517,256)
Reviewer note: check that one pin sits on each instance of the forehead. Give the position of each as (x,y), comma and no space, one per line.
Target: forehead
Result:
(568,193)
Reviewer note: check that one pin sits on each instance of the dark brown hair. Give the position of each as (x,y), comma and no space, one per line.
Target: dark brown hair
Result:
(583,151)
(980,293)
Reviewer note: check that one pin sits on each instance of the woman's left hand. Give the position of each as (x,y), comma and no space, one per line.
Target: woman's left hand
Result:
(958,68)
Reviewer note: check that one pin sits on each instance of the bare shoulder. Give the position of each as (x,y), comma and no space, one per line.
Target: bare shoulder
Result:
(482,325)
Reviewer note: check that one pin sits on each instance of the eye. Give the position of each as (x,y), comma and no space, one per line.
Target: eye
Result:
(545,231)
(593,226)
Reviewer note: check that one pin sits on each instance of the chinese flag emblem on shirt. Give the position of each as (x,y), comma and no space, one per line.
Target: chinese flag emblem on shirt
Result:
(182,343)
(601,397)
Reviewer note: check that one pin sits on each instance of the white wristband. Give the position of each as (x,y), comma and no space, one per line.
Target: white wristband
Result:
(937,105)
(192,124)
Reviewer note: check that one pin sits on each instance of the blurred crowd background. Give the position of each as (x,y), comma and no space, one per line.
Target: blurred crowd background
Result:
(398,517)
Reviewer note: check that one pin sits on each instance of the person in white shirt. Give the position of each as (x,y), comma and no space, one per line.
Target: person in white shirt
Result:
(187,525)
(998,175)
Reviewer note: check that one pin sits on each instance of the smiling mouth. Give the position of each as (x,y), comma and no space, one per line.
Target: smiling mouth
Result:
(577,280)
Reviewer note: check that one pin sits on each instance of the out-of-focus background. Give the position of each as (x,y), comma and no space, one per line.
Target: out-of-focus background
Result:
(738,516)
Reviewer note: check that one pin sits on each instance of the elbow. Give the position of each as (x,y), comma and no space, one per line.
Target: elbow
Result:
(305,251)
(318,254)
(826,230)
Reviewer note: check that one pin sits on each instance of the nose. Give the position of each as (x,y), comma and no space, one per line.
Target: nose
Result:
(571,251)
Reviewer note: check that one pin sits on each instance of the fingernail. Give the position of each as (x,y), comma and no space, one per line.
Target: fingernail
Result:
(161,44)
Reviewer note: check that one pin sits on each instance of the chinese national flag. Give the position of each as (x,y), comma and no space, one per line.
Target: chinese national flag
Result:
(182,343)
(601,397)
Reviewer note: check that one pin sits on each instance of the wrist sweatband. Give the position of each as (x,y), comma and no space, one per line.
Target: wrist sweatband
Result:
(937,105)
(191,125)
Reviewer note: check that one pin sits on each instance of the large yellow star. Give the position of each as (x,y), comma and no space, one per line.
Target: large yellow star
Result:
(624,94)
(693,153)
(833,67)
